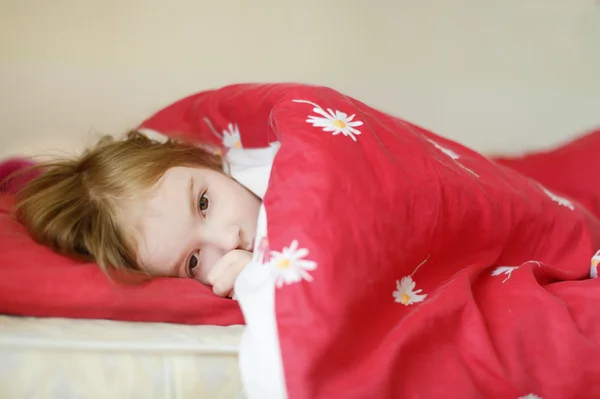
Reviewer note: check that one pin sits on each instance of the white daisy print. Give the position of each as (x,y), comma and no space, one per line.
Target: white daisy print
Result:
(332,121)
(405,292)
(594,267)
(530,396)
(559,200)
(289,266)
(507,270)
(231,136)
(452,155)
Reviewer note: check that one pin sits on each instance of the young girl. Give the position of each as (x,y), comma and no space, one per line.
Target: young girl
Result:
(145,207)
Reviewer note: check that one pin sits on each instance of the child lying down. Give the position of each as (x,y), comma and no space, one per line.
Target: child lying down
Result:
(146,207)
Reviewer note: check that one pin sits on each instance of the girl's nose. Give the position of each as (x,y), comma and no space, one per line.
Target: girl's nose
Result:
(214,245)
(225,238)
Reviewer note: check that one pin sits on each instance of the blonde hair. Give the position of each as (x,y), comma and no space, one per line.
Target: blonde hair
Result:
(72,206)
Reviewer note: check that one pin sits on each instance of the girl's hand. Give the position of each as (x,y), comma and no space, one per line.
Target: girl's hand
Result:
(223,275)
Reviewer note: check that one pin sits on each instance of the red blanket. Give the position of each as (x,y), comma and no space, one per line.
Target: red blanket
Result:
(394,263)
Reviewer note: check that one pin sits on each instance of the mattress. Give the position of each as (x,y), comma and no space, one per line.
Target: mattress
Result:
(66,358)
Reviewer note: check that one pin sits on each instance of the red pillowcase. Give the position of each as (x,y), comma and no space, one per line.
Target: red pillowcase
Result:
(34,281)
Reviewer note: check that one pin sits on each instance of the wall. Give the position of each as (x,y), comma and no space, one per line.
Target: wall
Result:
(497,75)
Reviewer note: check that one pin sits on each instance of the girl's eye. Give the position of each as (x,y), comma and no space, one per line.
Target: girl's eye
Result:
(192,264)
(203,203)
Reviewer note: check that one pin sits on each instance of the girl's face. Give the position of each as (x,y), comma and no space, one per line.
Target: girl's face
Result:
(192,217)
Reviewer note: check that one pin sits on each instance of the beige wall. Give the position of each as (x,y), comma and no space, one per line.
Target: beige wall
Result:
(497,75)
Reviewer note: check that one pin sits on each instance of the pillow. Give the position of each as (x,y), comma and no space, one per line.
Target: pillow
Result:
(11,180)
(391,262)
(38,282)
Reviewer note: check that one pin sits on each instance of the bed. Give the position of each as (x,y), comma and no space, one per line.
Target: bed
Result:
(66,358)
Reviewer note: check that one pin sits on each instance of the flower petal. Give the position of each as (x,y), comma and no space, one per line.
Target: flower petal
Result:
(306,264)
(299,253)
(341,116)
(351,129)
(320,111)
(357,123)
